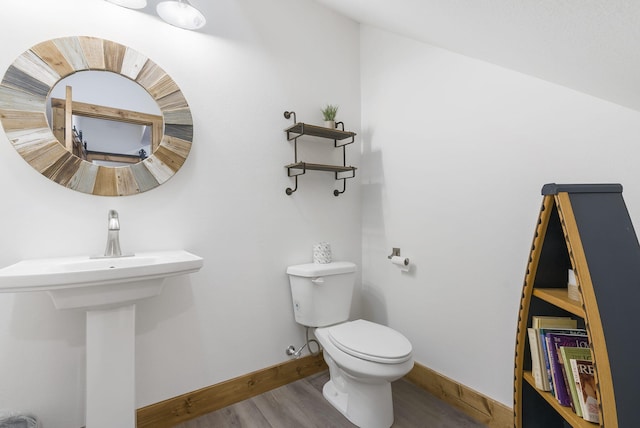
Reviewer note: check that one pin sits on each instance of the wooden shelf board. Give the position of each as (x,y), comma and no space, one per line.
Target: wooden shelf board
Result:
(566,412)
(319,131)
(560,298)
(320,167)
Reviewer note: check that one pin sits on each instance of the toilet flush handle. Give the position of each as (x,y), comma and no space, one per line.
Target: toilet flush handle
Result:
(319,280)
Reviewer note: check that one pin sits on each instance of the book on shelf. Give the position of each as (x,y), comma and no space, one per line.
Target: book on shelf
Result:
(585,385)
(541,381)
(546,363)
(571,338)
(538,361)
(568,354)
(565,379)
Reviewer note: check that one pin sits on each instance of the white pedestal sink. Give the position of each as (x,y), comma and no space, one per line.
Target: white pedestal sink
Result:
(107,289)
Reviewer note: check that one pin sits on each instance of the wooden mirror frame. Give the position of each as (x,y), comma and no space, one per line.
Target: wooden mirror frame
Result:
(23,97)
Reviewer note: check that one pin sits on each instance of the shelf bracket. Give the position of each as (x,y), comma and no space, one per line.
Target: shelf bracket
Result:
(289,191)
(287,115)
(335,142)
(337,192)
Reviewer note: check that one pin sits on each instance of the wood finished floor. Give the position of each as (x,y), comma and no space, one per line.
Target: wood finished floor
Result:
(301,404)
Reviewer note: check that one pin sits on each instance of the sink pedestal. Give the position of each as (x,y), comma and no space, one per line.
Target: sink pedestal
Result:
(111,368)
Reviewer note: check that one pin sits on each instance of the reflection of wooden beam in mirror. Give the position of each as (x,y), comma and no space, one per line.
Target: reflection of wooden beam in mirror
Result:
(59,108)
(112,157)
(68,116)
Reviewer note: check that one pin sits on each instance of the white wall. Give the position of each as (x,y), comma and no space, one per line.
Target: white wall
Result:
(254,60)
(455,153)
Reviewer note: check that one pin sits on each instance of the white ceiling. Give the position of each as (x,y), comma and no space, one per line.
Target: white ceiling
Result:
(592,46)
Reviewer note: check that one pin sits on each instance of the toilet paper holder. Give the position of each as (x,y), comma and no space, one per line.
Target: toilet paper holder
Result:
(402,263)
(395,252)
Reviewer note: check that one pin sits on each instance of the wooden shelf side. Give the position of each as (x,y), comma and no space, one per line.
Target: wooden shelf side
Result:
(611,294)
(525,302)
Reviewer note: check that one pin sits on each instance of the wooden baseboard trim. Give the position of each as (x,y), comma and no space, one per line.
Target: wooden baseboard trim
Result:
(176,410)
(481,408)
(182,408)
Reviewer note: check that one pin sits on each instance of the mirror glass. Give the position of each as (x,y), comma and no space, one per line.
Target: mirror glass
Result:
(114,121)
(108,145)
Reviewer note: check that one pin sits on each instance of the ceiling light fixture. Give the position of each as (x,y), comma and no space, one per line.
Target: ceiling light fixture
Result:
(131,4)
(181,14)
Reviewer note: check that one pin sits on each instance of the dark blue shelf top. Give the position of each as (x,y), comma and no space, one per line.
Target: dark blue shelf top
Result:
(554,189)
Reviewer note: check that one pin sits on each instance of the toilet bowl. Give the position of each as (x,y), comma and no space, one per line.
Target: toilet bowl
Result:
(363,357)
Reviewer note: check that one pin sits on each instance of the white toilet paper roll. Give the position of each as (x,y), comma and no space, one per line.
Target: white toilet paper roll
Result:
(401,262)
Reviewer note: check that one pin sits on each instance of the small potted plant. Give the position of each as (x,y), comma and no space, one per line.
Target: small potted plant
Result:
(329,114)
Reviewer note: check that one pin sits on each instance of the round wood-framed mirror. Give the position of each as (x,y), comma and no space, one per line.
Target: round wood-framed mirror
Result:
(23,102)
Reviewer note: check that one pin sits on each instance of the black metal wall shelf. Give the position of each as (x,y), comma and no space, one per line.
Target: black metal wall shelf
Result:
(297,130)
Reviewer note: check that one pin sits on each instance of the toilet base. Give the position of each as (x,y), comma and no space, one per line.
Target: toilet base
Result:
(367,405)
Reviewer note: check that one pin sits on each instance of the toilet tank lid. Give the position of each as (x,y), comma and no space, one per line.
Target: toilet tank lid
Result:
(321,269)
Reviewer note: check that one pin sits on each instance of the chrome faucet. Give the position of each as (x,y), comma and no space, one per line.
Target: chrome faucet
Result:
(113,239)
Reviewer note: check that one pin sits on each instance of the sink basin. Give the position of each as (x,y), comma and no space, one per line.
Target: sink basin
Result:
(94,283)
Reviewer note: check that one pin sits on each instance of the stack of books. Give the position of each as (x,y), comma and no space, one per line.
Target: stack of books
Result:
(561,363)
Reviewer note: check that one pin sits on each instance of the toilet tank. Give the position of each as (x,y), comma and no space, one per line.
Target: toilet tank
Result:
(322,292)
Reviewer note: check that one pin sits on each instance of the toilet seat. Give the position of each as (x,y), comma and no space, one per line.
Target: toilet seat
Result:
(370,341)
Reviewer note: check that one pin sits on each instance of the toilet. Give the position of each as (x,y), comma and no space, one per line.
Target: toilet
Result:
(363,357)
